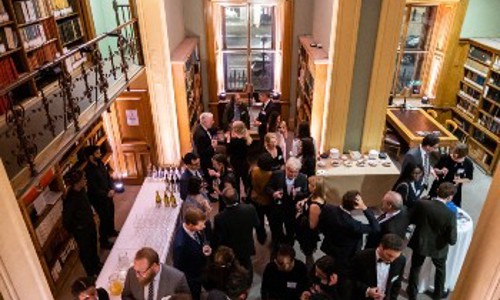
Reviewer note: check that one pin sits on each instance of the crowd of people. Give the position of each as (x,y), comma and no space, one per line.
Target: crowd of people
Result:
(212,252)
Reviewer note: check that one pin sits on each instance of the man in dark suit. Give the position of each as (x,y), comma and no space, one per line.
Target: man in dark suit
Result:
(192,162)
(420,156)
(233,227)
(149,279)
(287,188)
(377,273)
(190,249)
(267,107)
(235,110)
(237,287)
(342,233)
(101,191)
(394,219)
(204,142)
(435,230)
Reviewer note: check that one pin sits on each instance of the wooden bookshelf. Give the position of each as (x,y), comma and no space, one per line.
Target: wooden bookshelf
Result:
(477,110)
(39,31)
(311,84)
(186,70)
(42,209)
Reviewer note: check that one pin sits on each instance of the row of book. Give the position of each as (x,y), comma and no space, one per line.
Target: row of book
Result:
(41,56)
(29,10)
(4,15)
(33,36)
(70,30)
(8,39)
(8,74)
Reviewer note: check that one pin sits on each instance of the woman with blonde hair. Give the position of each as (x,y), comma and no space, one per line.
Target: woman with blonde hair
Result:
(238,142)
(309,213)
(271,147)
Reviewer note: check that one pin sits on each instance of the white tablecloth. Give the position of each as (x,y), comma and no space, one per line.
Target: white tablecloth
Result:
(456,257)
(146,225)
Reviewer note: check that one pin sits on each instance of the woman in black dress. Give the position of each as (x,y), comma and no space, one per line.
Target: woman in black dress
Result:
(271,146)
(456,168)
(309,214)
(308,157)
(237,148)
(78,220)
(408,184)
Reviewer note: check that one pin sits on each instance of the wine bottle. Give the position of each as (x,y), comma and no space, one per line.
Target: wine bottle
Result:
(173,201)
(166,200)
(158,199)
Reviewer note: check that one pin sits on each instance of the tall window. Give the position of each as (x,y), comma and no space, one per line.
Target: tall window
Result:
(248,53)
(423,38)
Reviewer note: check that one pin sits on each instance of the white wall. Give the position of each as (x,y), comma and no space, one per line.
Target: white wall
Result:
(175,22)
(322,18)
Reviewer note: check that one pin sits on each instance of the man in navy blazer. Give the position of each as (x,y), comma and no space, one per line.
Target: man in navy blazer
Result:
(342,233)
(377,273)
(190,249)
(192,162)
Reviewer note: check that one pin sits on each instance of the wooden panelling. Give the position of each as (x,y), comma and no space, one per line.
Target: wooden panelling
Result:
(452,69)
(133,140)
(287,57)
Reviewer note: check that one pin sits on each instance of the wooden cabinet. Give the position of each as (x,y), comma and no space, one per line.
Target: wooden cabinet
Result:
(42,207)
(311,84)
(32,34)
(187,88)
(477,110)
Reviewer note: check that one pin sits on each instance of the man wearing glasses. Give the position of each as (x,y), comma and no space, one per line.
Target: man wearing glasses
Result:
(149,279)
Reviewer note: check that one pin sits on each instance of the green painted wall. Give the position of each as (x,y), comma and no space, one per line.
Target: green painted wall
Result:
(482,19)
(104,21)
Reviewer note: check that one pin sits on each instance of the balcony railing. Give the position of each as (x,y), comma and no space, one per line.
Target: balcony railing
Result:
(62,111)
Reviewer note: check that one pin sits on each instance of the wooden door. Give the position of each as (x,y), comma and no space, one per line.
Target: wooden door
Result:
(134,136)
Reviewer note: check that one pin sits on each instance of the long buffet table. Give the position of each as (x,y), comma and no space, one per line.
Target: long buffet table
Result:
(372,181)
(146,225)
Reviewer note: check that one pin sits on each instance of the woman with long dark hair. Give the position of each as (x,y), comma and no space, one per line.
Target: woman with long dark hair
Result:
(409,185)
(307,157)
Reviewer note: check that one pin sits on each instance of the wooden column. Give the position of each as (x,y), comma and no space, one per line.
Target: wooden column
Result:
(480,274)
(21,273)
(389,27)
(154,38)
(345,21)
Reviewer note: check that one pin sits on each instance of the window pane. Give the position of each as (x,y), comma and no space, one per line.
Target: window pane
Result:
(262,65)
(235,22)
(410,72)
(235,71)
(261,26)
(420,27)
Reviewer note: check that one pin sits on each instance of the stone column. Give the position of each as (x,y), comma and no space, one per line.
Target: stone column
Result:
(21,274)
(156,50)
(480,274)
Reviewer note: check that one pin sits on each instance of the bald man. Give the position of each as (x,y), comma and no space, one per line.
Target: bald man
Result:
(394,219)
